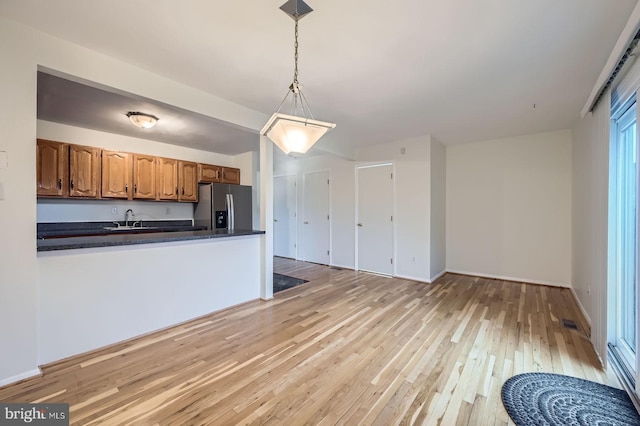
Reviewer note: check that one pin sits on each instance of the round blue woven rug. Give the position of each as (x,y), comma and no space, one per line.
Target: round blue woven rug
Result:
(544,399)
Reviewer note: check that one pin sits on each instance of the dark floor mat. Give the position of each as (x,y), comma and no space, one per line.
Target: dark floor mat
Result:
(545,399)
(283,282)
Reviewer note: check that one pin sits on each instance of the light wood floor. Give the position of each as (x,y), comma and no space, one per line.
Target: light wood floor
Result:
(346,348)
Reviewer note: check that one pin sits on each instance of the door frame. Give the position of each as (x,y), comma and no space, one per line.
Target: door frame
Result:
(615,357)
(295,175)
(357,207)
(302,216)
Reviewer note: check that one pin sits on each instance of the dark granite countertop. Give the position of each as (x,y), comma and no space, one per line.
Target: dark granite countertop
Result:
(111,240)
(78,235)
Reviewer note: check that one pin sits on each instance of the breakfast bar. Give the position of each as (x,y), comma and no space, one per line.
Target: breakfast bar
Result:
(100,290)
(70,243)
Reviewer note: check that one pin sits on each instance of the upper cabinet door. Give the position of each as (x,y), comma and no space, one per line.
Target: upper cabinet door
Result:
(230,175)
(208,173)
(188,180)
(116,175)
(51,166)
(84,171)
(167,178)
(144,176)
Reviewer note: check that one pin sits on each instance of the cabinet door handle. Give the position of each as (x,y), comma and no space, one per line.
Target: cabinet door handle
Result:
(176,190)
(126,188)
(59,183)
(135,188)
(183,190)
(71,184)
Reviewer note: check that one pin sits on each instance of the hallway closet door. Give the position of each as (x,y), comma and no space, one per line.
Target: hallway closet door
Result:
(374,223)
(316,221)
(284,216)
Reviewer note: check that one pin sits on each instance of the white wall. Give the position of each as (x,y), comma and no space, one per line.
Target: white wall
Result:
(95,297)
(22,50)
(74,210)
(438,209)
(18,206)
(412,193)
(81,136)
(265,182)
(590,146)
(249,165)
(509,208)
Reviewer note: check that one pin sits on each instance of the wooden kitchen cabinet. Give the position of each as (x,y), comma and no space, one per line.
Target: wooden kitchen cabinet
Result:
(167,178)
(68,170)
(144,177)
(116,175)
(208,173)
(51,168)
(230,175)
(188,181)
(84,171)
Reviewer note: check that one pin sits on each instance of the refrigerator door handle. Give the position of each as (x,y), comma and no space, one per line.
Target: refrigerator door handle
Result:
(230,212)
(227,207)
(233,213)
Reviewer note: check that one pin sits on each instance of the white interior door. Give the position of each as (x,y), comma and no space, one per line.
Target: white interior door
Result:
(315,224)
(284,216)
(374,225)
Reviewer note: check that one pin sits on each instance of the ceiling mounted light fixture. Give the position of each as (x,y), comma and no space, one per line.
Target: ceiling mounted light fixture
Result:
(295,133)
(142,120)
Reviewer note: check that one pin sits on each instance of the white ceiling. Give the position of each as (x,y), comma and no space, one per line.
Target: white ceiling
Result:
(460,70)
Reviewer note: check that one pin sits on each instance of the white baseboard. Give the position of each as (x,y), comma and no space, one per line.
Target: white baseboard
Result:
(335,265)
(26,375)
(285,257)
(507,278)
(438,275)
(582,309)
(408,277)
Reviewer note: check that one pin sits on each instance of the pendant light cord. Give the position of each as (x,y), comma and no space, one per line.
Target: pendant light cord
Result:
(299,101)
(295,56)
(294,85)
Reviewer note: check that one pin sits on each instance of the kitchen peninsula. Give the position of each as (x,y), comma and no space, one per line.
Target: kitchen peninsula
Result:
(122,286)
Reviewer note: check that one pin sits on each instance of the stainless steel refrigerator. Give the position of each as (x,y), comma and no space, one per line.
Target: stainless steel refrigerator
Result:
(223,206)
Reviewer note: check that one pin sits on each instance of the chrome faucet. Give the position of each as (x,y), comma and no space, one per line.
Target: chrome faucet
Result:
(126,217)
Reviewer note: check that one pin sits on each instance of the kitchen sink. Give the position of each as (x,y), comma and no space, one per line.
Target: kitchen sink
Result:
(129,228)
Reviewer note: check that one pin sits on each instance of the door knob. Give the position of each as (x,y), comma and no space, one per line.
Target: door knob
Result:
(359,225)
(306,223)
(275,220)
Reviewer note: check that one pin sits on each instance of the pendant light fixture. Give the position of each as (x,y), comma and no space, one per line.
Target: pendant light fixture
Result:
(142,120)
(296,132)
